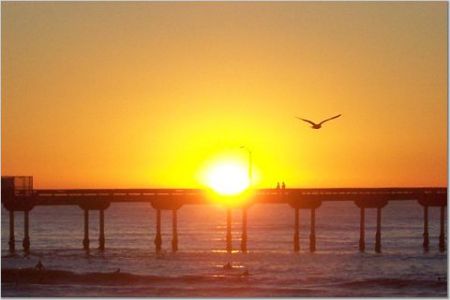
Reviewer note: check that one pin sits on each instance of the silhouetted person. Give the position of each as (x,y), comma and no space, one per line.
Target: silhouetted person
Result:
(318,125)
(283,186)
(278,185)
(39,266)
(227,266)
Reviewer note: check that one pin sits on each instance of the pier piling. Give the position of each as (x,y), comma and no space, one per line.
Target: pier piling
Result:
(244,230)
(26,231)
(12,239)
(362,229)
(86,230)
(228,237)
(378,233)
(174,231)
(158,240)
(296,230)
(101,238)
(442,233)
(373,201)
(426,241)
(312,235)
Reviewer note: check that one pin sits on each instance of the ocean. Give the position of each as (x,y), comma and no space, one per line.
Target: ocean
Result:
(337,268)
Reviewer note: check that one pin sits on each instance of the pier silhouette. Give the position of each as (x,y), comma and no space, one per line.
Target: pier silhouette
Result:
(18,195)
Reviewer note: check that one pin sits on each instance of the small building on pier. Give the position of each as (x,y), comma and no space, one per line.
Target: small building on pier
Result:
(16,186)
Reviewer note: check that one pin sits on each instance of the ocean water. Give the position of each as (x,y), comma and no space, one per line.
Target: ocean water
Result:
(337,268)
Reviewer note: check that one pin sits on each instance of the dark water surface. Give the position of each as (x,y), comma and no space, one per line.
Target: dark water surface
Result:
(335,269)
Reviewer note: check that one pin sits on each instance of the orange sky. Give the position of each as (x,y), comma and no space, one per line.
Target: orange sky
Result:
(126,94)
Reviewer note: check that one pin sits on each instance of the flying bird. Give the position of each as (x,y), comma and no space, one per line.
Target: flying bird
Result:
(318,125)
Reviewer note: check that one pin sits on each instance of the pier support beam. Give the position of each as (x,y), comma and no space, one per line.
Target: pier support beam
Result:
(26,231)
(378,202)
(12,239)
(228,237)
(297,230)
(378,233)
(174,231)
(442,233)
(434,199)
(101,238)
(311,202)
(94,204)
(86,230)
(158,240)
(362,229)
(312,235)
(426,241)
(170,205)
(244,230)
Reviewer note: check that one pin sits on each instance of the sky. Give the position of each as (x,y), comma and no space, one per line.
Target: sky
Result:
(147,94)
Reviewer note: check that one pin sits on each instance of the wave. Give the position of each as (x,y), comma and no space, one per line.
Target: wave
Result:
(31,275)
(29,281)
(395,283)
(34,276)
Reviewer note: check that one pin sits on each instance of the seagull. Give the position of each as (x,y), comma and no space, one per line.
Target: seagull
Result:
(319,125)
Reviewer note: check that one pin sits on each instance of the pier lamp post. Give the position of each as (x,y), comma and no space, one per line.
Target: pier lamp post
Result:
(244,209)
(249,164)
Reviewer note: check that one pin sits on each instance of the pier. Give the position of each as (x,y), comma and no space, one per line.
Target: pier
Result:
(18,195)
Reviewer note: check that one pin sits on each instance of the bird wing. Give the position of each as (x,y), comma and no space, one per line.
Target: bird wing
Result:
(330,119)
(310,122)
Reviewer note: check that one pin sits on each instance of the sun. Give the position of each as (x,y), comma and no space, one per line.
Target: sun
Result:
(227,177)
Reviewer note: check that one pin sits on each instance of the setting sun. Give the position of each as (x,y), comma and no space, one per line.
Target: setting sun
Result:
(227,178)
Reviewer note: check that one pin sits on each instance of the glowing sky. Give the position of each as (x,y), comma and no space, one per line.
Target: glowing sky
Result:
(125,94)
